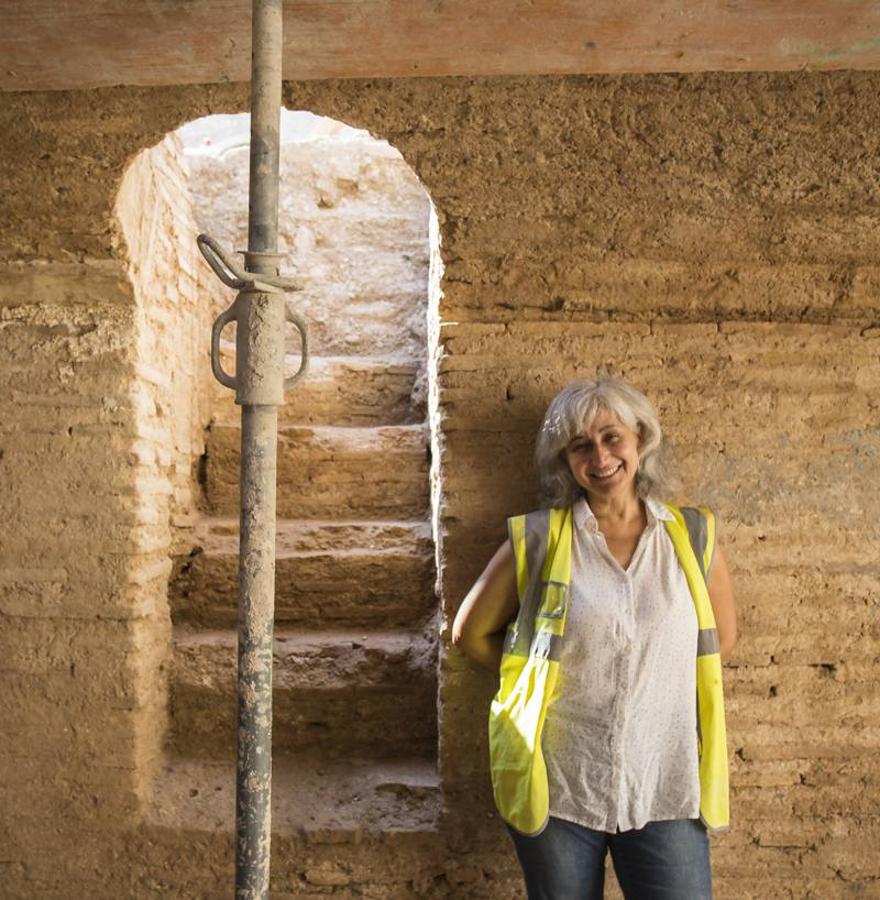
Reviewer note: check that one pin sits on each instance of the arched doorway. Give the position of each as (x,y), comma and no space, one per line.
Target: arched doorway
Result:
(355,722)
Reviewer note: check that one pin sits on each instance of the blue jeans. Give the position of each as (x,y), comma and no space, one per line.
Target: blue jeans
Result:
(663,861)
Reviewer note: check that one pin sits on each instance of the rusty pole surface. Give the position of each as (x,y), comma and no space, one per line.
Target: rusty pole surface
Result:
(260,312)
(259,442)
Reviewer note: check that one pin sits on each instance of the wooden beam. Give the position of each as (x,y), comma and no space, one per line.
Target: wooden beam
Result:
(65,44)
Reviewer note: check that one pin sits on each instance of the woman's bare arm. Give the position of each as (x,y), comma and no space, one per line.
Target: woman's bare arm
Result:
(479,626)
(721,595)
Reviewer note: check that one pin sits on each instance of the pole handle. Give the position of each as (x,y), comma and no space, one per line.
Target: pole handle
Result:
(220,323)
(299,323)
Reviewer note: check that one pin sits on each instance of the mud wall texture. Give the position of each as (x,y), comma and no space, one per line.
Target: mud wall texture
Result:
(712,238)
(105,368)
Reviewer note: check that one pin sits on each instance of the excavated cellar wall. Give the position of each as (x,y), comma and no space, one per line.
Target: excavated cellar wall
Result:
(175,299)
(713,238)
(70,621)
(104,362)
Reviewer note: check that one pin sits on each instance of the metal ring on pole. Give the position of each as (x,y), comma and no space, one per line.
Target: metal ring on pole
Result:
(239,279)
(219,262)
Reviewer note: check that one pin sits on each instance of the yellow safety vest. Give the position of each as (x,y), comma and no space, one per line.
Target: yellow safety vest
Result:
(541,544)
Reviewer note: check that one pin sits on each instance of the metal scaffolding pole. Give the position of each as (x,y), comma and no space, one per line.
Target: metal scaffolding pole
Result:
(259,311)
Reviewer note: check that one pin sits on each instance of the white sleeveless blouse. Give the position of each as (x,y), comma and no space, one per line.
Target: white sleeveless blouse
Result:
(620,737)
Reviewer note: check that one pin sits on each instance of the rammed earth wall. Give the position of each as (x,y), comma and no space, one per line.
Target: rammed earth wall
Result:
(712,238)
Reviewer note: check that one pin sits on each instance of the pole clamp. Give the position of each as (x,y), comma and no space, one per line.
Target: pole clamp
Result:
(259,314)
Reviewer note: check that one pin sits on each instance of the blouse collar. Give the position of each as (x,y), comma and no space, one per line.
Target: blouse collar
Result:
(585,519)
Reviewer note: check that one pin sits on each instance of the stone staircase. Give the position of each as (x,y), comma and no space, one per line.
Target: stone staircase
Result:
(372,473)
(355,721)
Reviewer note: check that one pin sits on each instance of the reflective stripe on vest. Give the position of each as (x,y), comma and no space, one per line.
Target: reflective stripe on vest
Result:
(529,666)
(694,548)
(541,543)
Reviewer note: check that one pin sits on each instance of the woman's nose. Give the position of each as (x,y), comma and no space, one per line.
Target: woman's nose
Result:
(600,457)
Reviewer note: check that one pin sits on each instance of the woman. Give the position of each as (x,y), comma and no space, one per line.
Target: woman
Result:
(605,735)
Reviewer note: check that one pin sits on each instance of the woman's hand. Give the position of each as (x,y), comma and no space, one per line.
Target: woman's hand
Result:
(479,626)
(721,595)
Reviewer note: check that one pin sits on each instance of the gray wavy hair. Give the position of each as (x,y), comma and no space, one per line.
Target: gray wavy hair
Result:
(572,410)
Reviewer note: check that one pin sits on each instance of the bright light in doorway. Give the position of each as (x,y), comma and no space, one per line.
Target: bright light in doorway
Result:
(216,135)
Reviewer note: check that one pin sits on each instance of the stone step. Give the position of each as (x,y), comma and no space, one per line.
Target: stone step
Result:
(310,792)
(359,574)
(361,826)
(326,472)
(342,390)
(340,691)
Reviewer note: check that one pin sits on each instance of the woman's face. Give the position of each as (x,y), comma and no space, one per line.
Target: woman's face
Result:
(604,458)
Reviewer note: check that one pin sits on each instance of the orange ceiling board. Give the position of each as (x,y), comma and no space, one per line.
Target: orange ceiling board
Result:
(65,44)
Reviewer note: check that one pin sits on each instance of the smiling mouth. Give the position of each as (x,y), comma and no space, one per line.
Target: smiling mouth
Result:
(606,473)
